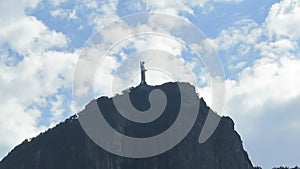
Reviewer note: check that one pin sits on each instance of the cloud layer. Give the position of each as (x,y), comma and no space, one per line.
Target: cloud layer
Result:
(261,61)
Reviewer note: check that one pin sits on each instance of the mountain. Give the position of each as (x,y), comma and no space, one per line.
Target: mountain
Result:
(67,146)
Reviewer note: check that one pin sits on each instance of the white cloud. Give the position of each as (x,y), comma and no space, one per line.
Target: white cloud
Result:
(278,48)
(57,110)
(262,98)
(266,80)
(236,1)
(115,32)
(161,67)
(26,85)
(176,6)
(25,34)
(263,102)
(244,31)
(64,13)
(21,126)
(124,37)
(14,9)
(238,66)
(105,74)
(142,44)
(57,2)
(238,43)
(38,73)
(266,84)
(283,19)
(102,12)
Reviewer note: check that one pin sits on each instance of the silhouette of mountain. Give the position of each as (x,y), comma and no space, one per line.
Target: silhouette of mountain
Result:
(67,146)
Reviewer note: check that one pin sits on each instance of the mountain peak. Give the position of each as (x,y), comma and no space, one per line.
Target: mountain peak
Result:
(69,146)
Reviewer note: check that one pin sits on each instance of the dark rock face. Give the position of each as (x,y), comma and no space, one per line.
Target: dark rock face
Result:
(67,146)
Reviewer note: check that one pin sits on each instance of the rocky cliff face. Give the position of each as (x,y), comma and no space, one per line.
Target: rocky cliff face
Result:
(67,146)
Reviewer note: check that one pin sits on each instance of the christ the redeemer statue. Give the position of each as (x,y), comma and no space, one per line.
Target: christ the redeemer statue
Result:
(143,74)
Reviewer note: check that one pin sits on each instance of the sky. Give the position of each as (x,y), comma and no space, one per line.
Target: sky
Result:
(257,43)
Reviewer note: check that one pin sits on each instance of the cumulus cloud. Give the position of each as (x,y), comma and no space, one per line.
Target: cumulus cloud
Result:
(26,34)
(36,72)
(262,97)
(57,110)
(102,13)
(245,31)
(283,19)
(27,85)
(266,94)
(16,123)
(237,43)
(176,7)
(57,2)
(63,13)
(117,38)
(31,70)
(267,82)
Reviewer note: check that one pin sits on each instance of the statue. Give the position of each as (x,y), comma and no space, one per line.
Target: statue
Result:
(143,75)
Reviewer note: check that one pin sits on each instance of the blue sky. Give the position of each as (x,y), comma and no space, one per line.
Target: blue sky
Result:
(257,42)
